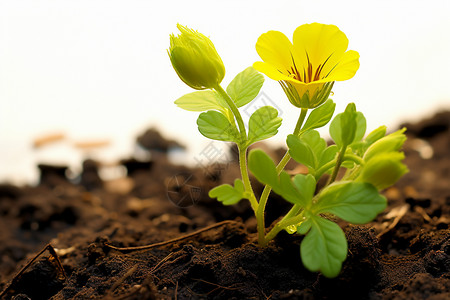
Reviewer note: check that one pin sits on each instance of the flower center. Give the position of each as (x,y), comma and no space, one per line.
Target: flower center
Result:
(309,73)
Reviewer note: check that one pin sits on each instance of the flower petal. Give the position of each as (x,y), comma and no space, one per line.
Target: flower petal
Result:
(319,43)
(275,49)
(346,68)
(270,71)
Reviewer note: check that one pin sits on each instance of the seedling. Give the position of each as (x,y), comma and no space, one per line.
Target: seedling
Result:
(306,70)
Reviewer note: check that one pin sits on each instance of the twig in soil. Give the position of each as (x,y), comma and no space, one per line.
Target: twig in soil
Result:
(126,249)
(121,280)
(53,254)
(217,287)
(132,270)
(161,263)
(176,291)
(423,213)
(398,213)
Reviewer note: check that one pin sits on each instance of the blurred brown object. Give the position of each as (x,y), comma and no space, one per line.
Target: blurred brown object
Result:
(48,139)
(91,144)
(52,175)
(152,140)
(90,178)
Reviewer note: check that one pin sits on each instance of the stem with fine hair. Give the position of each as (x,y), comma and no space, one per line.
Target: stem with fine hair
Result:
(235,112)
(285,222)
(245,177)
(339,161)
(242,146)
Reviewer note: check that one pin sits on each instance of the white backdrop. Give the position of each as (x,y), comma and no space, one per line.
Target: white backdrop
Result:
(100,70)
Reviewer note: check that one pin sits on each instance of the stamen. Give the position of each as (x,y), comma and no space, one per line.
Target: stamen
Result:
(316,75)
(291,75)
(309,68)
(296,70)
(330,71)
(320,68)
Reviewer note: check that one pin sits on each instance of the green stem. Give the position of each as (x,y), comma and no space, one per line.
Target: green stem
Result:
(300,120)
(292,217)
(285,222)
(356,159)
(262,240)
(339,161)
(235,112)
(242,146)
(292,212)
(245,177)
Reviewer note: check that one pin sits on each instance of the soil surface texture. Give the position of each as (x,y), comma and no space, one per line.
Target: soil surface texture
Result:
(60,238)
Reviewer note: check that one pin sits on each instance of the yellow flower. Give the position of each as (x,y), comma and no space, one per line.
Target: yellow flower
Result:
(308,67)
(195,59)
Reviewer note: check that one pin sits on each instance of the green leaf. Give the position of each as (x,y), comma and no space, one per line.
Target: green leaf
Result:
(304,227)
(306,186)
(300,151)
(324,248)
(289,192)
(201,101)
(320,116)
(348,127)
(343,127)
(263,167)
(245,86)
(360,126)
(307,148)
(214,125)
(336,131)
(263,124)
(348,124)
(327,155)
(315,142)
(354,202)
(228,194)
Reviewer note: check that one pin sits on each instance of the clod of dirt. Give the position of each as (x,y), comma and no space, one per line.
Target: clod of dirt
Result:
(152,140)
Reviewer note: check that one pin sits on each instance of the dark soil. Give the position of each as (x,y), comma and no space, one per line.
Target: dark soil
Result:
(403,254)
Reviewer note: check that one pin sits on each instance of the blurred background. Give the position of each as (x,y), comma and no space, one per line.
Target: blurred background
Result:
(97,72)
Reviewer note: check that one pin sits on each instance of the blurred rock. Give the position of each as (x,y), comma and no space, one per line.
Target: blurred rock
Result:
(52,175)
(10,191)
(133,165)
(430,127)
(152,140)
(90,178)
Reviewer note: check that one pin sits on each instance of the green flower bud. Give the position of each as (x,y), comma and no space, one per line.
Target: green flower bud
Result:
(375,135)
(383,170)
(195,59)
(391,143)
